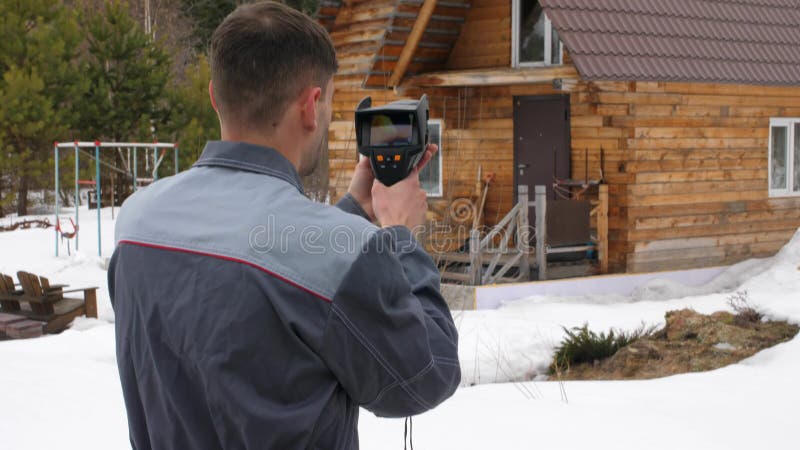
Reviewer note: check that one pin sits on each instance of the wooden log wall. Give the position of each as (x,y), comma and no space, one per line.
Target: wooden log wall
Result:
(686,163)
(695,191)
(485,39)
(477,122)
(478,130)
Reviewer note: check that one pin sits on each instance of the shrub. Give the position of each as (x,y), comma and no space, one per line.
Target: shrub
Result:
(745,311)
(582,345)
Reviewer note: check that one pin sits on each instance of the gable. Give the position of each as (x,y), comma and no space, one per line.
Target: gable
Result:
(380,40)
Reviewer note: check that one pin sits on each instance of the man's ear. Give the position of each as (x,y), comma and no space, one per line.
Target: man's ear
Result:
(309,111)
(211,96)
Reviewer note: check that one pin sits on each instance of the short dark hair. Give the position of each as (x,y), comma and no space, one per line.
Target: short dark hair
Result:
(262,56)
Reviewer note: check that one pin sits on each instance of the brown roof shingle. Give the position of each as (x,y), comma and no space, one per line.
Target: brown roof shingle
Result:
(727,41)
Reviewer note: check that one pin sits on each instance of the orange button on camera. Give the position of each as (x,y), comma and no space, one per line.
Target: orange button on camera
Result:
(397,157)
(380,157)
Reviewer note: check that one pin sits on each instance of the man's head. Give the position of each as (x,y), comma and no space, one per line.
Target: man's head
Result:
(272,73)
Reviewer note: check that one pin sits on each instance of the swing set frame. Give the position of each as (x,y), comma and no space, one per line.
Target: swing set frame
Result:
(132,171)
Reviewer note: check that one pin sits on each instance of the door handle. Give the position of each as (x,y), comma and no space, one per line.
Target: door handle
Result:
(522,166)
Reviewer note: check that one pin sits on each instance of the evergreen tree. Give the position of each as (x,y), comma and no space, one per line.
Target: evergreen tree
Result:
(128,74)
(39,85)
(208,14)
(192,117)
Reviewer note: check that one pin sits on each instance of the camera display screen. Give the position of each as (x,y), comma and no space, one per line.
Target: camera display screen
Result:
(391,130)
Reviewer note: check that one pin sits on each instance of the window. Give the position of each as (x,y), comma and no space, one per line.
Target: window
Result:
(784,157)
(534,40)
(431,175)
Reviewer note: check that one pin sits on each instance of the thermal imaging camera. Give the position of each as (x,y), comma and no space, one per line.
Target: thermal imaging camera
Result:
(392,136)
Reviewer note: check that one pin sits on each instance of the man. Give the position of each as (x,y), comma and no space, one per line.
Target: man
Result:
(249,317)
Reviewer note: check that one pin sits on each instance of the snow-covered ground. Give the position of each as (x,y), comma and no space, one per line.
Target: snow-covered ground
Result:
(62,391)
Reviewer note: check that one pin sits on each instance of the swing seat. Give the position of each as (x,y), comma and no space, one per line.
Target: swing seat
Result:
(66,234)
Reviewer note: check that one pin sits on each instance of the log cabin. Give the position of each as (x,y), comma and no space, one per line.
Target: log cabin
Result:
(687,110)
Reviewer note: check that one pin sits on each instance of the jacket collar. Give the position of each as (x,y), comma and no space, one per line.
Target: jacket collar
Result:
(251,158)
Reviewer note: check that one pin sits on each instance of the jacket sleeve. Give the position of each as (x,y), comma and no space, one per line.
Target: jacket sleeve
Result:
(390,339)
(349,205)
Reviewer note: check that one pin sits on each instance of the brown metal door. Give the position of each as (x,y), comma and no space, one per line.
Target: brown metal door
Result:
(541,145)
(541,142)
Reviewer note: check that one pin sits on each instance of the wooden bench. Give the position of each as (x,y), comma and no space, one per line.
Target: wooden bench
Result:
(40,301)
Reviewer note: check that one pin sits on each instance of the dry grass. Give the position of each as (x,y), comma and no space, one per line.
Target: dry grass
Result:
(745,311)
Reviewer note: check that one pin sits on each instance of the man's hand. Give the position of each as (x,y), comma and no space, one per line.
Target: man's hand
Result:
(361,186)
(405,202)
(363,180)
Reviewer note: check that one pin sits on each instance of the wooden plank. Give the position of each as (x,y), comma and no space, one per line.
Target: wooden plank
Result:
(602,228)
(717,232)
(701,132)
(492,77)
(717,89)
(24,329)
(90,303)
(479,62)
(606,109)
(8,319)
(771,204)
(540,195)
(586,121)
(639,98)
(739,100)
(718,218)
(633,121)
(475,264)
(712,241)
(443,10)
(697,187)
(700,175)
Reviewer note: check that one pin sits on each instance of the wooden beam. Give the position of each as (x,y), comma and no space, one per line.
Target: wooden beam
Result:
(492,77)
(414,37)
(602,228)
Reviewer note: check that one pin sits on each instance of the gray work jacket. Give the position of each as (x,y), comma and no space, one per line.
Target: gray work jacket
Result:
(250,317)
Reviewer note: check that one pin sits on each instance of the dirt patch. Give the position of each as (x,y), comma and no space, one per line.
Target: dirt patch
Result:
(458,296)
(690,342)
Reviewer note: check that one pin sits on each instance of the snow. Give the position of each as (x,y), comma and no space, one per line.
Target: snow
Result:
(516,342)
(63,391)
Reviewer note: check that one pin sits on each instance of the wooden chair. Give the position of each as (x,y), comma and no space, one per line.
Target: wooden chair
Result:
(10,296)
(48,304)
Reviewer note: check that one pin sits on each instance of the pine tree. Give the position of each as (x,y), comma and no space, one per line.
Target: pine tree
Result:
(39,85)
(208,14)
(128,74)
(192,118)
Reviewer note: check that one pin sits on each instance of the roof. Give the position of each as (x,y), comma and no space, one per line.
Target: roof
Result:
(725,41)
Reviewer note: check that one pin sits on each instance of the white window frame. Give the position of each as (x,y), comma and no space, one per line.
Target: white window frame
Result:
(789,123)
(440,191)
(548,44)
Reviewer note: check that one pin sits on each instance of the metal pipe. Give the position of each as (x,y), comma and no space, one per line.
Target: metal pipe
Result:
(55,148)
(77,194)
(135,182)
(175,151)
(99,191)
(118,144)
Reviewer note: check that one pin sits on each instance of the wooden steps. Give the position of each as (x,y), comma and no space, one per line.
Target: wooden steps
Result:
(13,326)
